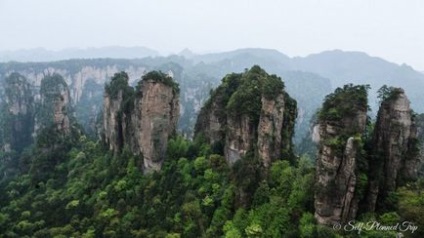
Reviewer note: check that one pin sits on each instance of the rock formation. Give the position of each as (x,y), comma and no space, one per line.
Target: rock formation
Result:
(112,119)
(144,119)
(249,112)
(395,148)
(17,114)
(342,121)
(155,120)
(25,117)
(389,156)
(85,80)
(54,108)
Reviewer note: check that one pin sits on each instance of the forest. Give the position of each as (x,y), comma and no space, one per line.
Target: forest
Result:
(211,119)
(72,163)
(67,183)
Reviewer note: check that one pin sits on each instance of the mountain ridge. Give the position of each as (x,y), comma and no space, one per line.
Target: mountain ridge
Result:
(44,55)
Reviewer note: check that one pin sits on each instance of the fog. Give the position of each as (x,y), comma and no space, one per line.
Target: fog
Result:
(390,29)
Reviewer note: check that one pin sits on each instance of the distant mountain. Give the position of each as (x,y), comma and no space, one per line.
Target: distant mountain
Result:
(43,55)
(268,54)
(359,68)
(309,89)
(187,53)
(308,79)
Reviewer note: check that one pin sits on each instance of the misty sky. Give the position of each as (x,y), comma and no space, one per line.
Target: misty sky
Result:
(391,29)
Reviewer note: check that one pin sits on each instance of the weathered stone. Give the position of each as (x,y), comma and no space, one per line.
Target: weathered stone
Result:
(17,122)
(265,133)
(394,147)
(54,107)
(111,128)
(239,138)
(269,129)
(146,128)
(155,120)
(336,167)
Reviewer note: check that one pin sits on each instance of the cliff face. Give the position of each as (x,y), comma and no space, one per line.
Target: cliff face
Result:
(271,124)
(111,128)
(143,119)
(85,80)
(48,119)
(341,124)
(17,114)
(211,124)
(54,107)
(249,112)
(18,94)
(395,155)
(76,75)
(349,169)
(155,120)
(419,121)
(239,138)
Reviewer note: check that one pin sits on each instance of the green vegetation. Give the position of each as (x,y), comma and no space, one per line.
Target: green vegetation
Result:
(53,89)
(241,96)
(16,129)
(222,94)
(93,193)
(344,102)
(159,76)
(16,124)
(71,186)
(344,105)
(118,85)
(386,93)
(254,84)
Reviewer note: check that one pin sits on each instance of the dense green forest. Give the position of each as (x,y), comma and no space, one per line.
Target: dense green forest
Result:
(71,185)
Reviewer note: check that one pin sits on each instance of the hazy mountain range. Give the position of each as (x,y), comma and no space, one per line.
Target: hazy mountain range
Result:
(43,55)
(307,79)
(340,67)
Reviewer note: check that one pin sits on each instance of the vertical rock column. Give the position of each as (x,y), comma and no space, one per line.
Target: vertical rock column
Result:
(155,120)
(143,119)
(269,129)
(341,124)
(395,155)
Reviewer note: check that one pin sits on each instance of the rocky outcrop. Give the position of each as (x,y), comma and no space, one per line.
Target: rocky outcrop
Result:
(17,114)
(350,170)
(341,124)
(54,108)
(211,124)
(112,130)
(419,121)
(269,129)
(85,79)
(239,139)
(26,118)
(395,155)
(249,112)
(155,120)
(77,72)
(143,119)
(18,94)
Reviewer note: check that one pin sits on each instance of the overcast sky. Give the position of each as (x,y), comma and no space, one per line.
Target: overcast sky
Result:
(391,29)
